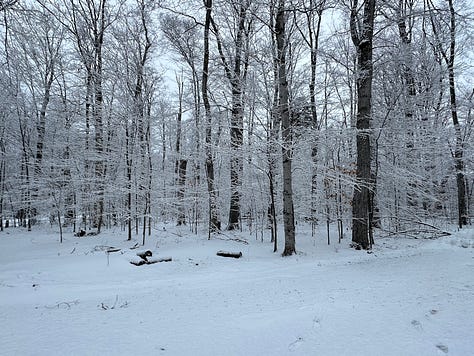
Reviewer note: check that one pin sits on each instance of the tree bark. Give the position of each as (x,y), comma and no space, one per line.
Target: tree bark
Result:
(41,126)
(286,131)
(459,150)
(180,194)
(362,36)
(214,222)
(273,129)
(180,165)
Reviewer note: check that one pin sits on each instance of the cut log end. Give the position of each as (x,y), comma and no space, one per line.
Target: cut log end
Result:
(229,254)
(143,255)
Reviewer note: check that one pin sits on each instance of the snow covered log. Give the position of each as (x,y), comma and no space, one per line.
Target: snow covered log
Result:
(229,254)
(150,261)
(144,255)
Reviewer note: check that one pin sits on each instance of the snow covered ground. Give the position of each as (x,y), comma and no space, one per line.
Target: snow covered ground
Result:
(409,297)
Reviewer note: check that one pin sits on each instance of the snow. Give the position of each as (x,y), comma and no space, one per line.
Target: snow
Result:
(408,297)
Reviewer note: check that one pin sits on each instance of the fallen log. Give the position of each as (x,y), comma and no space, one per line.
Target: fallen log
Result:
(143,255)
(80,233)
(151,261)
(229,254)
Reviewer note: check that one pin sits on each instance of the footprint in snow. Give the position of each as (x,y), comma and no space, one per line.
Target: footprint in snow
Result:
(442,348)
(295,344)
(316,323)
(416,324)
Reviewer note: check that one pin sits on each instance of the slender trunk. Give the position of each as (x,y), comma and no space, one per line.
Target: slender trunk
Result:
(214,222)
(236,77)
(273,126)
(286,132)
(26,208)
(2,188)
(313,43)
(87,114)
(128,159)
(410,96)
(236,162)
(98,35)
(459,150)
(180,194)
(41,126)
(150,170)
(272,214)
(197,165)
(180,165)
(2,174)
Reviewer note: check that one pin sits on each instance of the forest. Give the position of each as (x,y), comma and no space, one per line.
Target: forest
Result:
(238,177)
(230,114)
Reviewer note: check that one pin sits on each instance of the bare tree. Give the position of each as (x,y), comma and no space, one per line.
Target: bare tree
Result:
(214,222)
(184,38)
(87,22)
(286,130)
(449,56)
(313,13)
(235,66)
(362,30)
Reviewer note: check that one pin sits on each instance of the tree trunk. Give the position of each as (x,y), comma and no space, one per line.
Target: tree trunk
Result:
(286,132)
(180,194)
(362,36)
(41,126)
(313,43)
(458,151)
(180,165)
(236,77)
(214,222)
(273,128)
(128,159)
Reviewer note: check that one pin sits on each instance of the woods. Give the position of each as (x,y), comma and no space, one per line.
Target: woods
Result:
(129,113)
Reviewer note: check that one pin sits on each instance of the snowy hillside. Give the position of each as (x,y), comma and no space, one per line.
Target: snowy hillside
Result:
(408,297)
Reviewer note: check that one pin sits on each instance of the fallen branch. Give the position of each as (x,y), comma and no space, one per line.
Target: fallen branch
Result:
(134,246)
(229,254)
(227,238)
(417,233)
(106,307)
(66,305)
(151,261)
(429,229)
